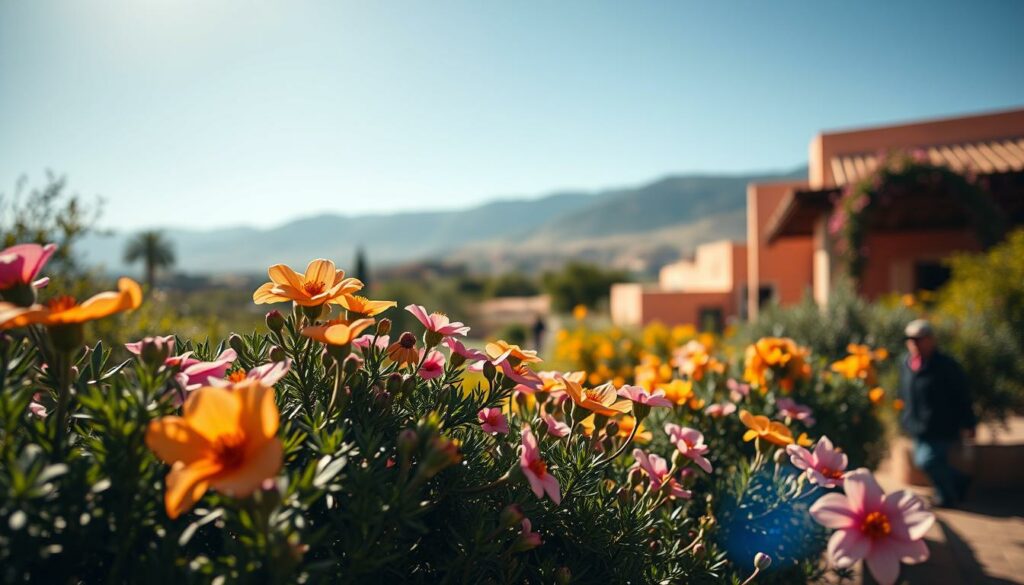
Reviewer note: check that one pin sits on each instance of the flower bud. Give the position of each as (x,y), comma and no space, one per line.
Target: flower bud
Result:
(236,343)
(154,351)
(511,516)
(636,477)
(276,354)
(408,441)
(408,385)
(381,397)
(384,326)
(780,456)
(678,459)
(612,429)
(431,338)
(489,370)
(762,561)
(275,321)
(699,549)
(456,360)
(351,364)
(563,576)
(394,383)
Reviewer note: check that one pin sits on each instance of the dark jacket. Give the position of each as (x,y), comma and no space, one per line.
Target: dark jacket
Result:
(937,401)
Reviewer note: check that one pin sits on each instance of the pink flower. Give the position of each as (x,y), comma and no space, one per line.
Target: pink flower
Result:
(433,365)
(267,374)
(492,421)
(35,407)
(437,322)
(528,539)
(527,381)
(690,443)
(22,263)
(195,373)
(363,342)
(720,409)
(737,390)
(791,410)
(555,427)
(135,347)
(642,396)
(457,347)
(870,525)
(656,469)
(825,466)
(536,470)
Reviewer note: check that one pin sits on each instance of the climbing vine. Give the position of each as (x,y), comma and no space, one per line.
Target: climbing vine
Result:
(902,173)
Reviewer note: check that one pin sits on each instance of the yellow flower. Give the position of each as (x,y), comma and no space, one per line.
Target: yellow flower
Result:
(764,428)
(804,441)
(780,355)
(226,440)
(321,283)
(625,425)
(364,306)
(678,391)
(579,312)
(337,332)
(600,400)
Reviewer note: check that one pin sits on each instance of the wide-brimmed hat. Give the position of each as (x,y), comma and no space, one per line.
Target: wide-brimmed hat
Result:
(918,328)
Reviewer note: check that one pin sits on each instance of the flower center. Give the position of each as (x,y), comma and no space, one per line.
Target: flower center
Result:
(407,340)
(236,376)
(313,288)
(61,303)
(538,467)
(230,450)
(876,525)
(832,474)
(592,394)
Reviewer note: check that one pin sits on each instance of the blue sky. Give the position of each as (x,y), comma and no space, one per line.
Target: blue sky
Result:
(208,113)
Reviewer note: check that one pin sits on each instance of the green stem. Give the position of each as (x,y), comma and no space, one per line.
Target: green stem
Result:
(63,364)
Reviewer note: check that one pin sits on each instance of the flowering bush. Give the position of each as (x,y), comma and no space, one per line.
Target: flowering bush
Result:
(332,448)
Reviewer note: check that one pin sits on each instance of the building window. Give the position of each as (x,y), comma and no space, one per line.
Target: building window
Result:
(765,296)
(711,319)
(930,275)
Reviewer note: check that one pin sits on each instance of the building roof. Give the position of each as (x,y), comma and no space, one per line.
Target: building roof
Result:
(984,157)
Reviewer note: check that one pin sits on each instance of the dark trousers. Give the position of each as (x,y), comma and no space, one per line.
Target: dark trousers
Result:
(932,457)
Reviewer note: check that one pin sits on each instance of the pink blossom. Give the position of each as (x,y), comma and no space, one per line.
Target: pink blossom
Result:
(825,466)
(135,347)
(528,539)
(690,443)
(656,469)
(36,407)
(720,409)
(536,470)
(870,525)
(492,421)
(432,366)
(195,374)
(791,410)
(640,395)
(555,427)
(363,342)
(527,381)
(737,390)
(457,347)
(22,263)
(268,374)
(437,322)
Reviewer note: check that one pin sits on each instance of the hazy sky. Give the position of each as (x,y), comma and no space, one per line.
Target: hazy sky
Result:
(206,112)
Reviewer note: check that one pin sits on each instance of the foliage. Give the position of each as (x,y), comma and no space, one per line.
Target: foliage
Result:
(387,472)
(580,284)
(898,175)
(511,284)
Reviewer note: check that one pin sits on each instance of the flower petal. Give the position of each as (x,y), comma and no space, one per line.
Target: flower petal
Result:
(281,274)
(833,511)
(213,412)
(322,271)
(846,547)
(863,490)
(884,564)
(257,467)
(186,484)
(173,440)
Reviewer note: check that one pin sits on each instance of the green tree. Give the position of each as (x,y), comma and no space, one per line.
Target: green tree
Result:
(153,250)
(580,284)
(362,268)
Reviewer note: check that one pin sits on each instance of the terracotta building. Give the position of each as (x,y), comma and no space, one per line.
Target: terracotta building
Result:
(790,252)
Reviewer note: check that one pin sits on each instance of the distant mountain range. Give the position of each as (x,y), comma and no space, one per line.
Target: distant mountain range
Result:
(638,228)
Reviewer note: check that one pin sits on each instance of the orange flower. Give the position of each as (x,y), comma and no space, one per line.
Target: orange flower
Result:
(225,440)
(66,311)
(404,350)
(601,400)
(876,395)
(764,428)
(860,364)
(897,405)
(501,349)
(780,355)
(625,425)
(804,441)
(321,283)
(365,306)
(337,332)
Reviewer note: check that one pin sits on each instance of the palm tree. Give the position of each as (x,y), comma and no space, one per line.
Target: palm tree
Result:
(154,250)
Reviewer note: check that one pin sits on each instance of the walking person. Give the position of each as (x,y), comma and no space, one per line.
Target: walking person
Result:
(937,411)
